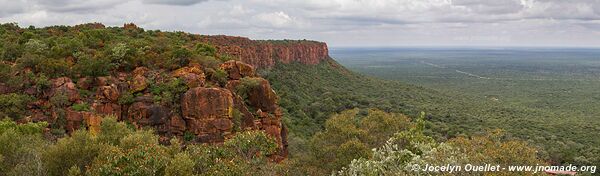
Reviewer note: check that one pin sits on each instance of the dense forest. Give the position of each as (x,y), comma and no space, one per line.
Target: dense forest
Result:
(340,122)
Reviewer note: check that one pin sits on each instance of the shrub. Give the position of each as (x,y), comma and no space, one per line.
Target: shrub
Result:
(205,49)
(170,92)
(94,67)
(5,72)
(251,144)
(188,136)
(219,76)
(59,100)
(79,150)
(126,98)
(42,82)
(20,147)
(81,107)
(180,165)
(14,105)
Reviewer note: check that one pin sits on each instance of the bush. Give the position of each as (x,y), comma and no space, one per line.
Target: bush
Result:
(81,107)
(219,76)
(169,93)
(14,105)
(205,49)
(59,100)
(5,72)
(126,98)
(78,150)
(20,147)
(251,144)
(180,165)
(94,67)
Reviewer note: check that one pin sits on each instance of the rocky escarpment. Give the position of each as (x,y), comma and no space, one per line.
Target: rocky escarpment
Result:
(182,103)
(265,54)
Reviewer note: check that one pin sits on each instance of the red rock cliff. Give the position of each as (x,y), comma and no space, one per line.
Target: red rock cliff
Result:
(265,54)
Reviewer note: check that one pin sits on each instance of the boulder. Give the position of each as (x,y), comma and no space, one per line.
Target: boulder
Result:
(177,125)
(107,109)
(263,97)
(105,80)
(192,75)
(147,114)
(74,120)
(139,83)
(237,69)
(84,83)
(108,93)
(66,86)
(207,113)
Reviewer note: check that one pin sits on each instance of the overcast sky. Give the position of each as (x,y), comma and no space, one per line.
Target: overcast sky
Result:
(338,22)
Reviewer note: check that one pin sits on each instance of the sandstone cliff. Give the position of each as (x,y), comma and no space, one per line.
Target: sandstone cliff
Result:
(265,54)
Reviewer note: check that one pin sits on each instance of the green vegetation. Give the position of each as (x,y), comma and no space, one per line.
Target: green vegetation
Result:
(310,93)
(14,105)
(81,107)
(117,150)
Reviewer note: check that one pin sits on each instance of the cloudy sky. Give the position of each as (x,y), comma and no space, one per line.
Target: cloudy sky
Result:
(339,22)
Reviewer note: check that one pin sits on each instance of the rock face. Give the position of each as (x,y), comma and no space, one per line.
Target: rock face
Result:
(208,113)
(265,54)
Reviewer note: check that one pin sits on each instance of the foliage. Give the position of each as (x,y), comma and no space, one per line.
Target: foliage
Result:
(181,165)
(217,75)
(169,92)
(20,148)
(126,98)
(94,67)
(349,135)
(410,148)
(250,145)
(205,50)
(81,107)
(14,105)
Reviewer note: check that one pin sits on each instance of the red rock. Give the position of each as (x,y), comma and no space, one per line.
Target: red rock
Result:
(177,125)
(74,120)
(263,97)
(140,71)
(147,114)
(84,83)
(107,109)
(206,110)
(65,85)
(207,103)
(139,83)
(105,80)
(262,54)
(237,69)
(107,93)
(192,75)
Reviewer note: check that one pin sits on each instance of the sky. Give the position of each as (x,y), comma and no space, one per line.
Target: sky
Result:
(340,23)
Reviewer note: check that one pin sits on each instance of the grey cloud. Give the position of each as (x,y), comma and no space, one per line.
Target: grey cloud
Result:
(77,5)
(175,2)
(10,7)
(491,6)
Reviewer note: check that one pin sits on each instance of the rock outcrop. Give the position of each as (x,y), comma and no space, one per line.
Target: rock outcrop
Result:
(183,102)
(265,54)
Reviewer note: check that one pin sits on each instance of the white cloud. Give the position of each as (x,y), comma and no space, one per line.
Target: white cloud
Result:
(275,19)
(370,22)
